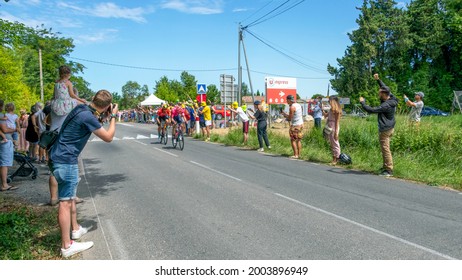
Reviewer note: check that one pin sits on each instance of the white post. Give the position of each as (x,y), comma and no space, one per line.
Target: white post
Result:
(41,75)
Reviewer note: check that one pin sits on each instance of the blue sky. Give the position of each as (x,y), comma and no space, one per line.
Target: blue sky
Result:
(191,35)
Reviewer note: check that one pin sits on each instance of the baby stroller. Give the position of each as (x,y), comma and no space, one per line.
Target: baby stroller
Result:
(25,168)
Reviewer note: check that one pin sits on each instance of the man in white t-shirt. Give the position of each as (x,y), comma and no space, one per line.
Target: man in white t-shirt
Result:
(296,125)
(416,106)
(244,118)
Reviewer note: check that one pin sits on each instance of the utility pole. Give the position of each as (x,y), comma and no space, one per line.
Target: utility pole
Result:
(239,68)
(241,40)
(41,75)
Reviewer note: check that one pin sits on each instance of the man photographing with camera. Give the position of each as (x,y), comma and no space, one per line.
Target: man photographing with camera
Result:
(81,122)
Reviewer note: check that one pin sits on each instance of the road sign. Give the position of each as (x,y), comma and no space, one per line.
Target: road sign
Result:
(278,88)
(201,88)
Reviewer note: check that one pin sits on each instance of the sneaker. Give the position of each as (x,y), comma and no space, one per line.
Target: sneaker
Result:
(386,173)
(260,150)
(76,247)
(269,147)
(207,140)
(79,233)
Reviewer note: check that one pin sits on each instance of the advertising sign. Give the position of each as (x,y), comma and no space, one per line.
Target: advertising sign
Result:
(277,89)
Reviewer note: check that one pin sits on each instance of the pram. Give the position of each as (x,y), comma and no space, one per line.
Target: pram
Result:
(25,169)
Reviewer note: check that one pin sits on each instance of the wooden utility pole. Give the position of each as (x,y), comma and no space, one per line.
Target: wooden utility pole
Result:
(41,75)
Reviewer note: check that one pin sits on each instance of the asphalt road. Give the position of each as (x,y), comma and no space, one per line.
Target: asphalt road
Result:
(149,201)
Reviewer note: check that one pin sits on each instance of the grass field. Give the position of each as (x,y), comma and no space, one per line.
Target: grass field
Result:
(430,153)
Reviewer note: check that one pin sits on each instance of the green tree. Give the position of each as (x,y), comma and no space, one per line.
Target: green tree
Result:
(213,94)
(12,88)
(133,94)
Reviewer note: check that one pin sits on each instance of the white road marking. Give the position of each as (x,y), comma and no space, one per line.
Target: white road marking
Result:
(139,142)
(160,150)
(216,171)
(367,228)
(139,136)
(125,124)
(128,138)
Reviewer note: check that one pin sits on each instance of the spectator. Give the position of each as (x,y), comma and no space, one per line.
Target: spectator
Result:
(261,116)
(317,112)
(64,96)
(333,121)
(12,122)
(245,121)
(23,121)
(416,107)
(75,132)
(296,125)
(6,152)
(31,134)
(386,119)
(205,111)
(40,125)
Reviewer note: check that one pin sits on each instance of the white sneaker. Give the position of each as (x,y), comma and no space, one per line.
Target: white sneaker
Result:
(269,147)
(76,247)
(260,150)
(79,233)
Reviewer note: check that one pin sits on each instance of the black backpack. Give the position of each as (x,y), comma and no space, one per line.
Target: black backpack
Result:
(344,158)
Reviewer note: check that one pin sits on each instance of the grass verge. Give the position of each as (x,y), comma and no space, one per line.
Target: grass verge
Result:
(28,232)
(430,153)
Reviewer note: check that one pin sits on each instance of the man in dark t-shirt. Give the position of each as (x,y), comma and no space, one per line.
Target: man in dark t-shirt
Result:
(81,122)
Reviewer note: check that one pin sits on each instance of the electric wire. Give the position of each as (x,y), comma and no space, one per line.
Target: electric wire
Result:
(152,68)
(305,65)
(203,70)
(266,19)
(265,15)
(257,11)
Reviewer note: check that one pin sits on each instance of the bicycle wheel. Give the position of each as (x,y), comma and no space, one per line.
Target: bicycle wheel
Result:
(165,137)
(181,140)
(174,141)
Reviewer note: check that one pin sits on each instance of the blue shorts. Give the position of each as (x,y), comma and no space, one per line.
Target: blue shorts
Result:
(178,119)
(67,176)
(6,153)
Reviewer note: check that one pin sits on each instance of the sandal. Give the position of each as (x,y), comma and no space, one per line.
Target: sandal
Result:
(78,200)
(10,188)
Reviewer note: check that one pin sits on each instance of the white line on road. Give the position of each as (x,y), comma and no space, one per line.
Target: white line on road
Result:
(368,228)
(160,150)
(124,124)
(216,171)
(139,142)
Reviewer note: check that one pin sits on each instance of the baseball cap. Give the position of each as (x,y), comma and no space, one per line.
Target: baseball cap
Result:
(421,94)
(203,103)
(290,97)
(256,102)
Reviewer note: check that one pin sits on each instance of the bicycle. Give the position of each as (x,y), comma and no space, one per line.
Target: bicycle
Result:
(164,134)
(178,138)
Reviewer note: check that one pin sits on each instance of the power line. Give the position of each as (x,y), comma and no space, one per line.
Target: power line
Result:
(152,68)
(177,70)
(288,56)
(258,11)
(266,19)
(272,11)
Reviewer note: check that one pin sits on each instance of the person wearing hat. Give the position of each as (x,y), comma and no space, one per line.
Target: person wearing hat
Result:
(296,125)
(207,113)
(244,118)
(416,107)
(260,115)
(386,122)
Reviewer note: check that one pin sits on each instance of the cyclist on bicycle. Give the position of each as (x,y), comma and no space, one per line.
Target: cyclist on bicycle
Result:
(178,118)
(163,116)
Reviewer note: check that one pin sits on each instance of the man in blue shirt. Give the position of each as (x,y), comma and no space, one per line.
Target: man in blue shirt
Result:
(81,122)
(317,112)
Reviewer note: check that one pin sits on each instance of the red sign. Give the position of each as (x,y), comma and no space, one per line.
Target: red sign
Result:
(278,88)
(201,97)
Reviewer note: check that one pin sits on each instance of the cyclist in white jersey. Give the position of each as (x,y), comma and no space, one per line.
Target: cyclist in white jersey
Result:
(296,125)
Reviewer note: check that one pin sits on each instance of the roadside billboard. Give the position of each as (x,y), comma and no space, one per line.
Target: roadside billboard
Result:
(277,89)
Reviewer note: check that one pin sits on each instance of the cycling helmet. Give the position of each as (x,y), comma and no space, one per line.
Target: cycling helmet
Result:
(344,158)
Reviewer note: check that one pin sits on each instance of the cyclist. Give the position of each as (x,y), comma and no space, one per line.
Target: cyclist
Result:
(178,118)
(163,116)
